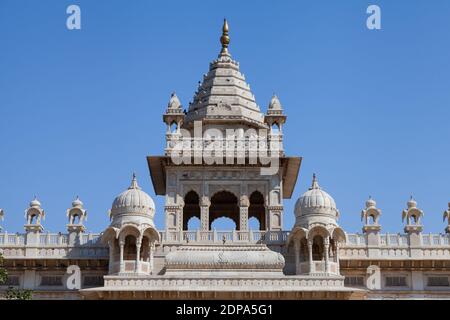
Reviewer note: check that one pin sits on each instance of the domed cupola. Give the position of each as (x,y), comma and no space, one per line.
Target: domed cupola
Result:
(315,206)
(132,206)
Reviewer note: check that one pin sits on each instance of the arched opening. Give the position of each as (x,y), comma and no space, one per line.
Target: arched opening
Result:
(129,250)
(173,127)
(33,219)
(275,128)
(145,249)
(193,224)
(370,219)
(224,204)
(223,223)
(257,209)
(75,219)
(253,224)
(414,219)
(317,248)
(191,208)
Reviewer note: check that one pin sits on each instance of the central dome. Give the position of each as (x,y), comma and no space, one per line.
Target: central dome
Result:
(315,206)
(133,205)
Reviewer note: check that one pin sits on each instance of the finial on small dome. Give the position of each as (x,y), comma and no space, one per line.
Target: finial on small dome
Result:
(411,203)
(35,202)
(224,39)
(370,202)
(134,184)
(315,183)
(77,202)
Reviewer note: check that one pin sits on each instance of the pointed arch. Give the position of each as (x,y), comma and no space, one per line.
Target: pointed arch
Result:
(191,207)
(224,204)
(257,208)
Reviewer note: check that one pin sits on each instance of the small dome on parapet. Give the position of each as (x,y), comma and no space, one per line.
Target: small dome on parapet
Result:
(77,203)
(371,203)
(412,203)
(174,102)
(35,203)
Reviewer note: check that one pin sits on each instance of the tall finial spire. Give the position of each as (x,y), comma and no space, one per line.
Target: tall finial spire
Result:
(224,39)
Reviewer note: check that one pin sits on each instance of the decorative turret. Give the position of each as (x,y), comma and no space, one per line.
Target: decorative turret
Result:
(76,215)
(174,114)
(447,216)
(370,216)
(131,235)
(33,215)
(316,236)
(275,120)
(2,213)
(413,217)
(274,115)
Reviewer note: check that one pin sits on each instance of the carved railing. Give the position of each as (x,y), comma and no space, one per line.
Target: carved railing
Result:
(13,239)
(233,236)
(236,147)
(397,246)
(399,240)
(46,239)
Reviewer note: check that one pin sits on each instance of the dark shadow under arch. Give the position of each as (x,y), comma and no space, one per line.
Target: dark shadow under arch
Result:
(257,209)
(191,207)
(224,204)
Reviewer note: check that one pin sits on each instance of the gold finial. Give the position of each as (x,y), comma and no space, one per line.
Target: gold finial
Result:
(225,39)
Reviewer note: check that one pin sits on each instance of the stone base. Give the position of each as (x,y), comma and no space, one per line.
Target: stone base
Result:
(243,287)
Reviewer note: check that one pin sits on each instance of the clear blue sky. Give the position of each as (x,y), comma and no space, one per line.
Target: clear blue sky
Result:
(367,110)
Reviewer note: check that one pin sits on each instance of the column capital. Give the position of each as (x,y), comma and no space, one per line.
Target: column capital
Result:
(244,201)
(204,201)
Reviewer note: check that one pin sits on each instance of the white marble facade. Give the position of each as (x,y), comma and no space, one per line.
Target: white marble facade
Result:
(316,259)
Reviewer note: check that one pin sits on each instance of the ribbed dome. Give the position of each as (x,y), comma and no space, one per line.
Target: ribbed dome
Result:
(316,203)
(133,201)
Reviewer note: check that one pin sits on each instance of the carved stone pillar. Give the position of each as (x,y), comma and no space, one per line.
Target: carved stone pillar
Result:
(244,203)
(297,256)
(151,260)
(338,271)
(275,214)
(111,256)
(310,256)
(204,213)
(121,262)
(326,245)
(138,256)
